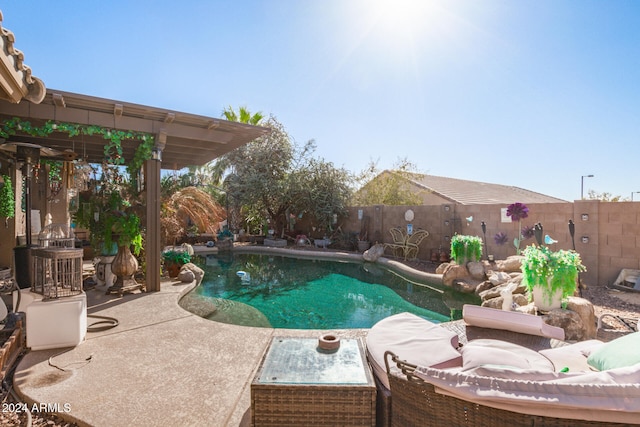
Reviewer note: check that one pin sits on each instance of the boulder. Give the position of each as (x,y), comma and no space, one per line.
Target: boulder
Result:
(198,273)
(529,308)
(186,276)
(494,292)
(442,268)
(373,253)
(476,270)
(499,277)
(570,321)
(466,285)
(484,286)
(520,289)
(520,299)
(516,277)
(453,272)
(493,303)
(586,311)
(510,265)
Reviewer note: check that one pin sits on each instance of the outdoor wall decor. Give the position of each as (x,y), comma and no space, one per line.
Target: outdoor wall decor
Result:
(518,211)
(408,215)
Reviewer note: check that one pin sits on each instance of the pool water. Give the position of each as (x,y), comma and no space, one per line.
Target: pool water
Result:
(282,292)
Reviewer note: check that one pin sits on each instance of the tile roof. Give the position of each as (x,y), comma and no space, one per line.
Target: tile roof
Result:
(466,192)
(16,80)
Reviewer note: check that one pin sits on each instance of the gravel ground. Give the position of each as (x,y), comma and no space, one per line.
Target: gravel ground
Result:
(605,301)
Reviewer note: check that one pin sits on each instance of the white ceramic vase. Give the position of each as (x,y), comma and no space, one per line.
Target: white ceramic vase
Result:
(544,301)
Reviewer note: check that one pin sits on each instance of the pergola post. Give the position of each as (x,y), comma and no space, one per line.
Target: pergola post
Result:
(152,241)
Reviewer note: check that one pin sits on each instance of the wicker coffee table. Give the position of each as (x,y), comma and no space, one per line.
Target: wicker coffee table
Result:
(298,384)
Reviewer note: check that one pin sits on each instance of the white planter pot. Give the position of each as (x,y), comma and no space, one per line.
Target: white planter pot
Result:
(546,302)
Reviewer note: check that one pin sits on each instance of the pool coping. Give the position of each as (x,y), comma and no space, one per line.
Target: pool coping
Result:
(394,265)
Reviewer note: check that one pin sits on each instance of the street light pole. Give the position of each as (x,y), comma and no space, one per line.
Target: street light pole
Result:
(582,185)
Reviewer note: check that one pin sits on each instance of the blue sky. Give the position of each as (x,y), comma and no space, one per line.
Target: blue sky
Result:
(534,94)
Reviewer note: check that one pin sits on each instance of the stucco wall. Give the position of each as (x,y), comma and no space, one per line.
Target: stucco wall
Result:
(611,230)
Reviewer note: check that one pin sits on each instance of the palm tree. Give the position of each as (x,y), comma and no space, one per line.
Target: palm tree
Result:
(242,116)
(188,205)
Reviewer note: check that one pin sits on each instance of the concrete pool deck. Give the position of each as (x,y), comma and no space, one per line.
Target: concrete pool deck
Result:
(160,366)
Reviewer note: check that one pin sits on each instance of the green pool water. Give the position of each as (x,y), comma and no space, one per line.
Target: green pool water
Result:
(282,292)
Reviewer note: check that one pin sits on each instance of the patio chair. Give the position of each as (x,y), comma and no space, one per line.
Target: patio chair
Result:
(399,241)
(412,245)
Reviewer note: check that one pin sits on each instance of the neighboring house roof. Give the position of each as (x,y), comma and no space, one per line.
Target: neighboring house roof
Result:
(466,192)
(16,80)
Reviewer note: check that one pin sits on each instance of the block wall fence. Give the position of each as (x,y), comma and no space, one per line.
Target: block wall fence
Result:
(607,234)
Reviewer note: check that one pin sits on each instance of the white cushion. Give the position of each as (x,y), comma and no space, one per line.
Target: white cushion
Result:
(572,358)
(608,396)
(411,338)
(483,352)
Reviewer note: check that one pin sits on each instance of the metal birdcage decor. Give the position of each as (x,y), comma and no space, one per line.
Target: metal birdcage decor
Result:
(57,272)
(56,235)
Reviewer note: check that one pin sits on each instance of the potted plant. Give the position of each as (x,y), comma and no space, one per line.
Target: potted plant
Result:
(363,240)
(550,276)
(123,229)
(174,260)
(465,249)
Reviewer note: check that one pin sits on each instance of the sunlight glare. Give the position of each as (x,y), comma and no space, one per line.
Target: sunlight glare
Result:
(403,21)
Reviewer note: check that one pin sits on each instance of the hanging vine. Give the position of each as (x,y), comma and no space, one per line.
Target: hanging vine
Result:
(108,211)
(113,151)
(7,200)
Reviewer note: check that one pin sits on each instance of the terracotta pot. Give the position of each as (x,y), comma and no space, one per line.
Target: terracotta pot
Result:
(173,268)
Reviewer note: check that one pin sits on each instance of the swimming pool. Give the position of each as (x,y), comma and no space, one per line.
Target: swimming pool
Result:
(283,292)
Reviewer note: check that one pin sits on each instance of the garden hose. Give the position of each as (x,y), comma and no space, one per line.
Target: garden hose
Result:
(105,323)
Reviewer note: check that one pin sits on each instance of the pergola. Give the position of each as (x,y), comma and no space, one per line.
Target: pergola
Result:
(181,139)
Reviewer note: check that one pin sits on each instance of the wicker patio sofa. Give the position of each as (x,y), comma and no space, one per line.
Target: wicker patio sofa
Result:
(428,380)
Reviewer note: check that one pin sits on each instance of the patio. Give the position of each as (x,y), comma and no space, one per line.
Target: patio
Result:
(160,366)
